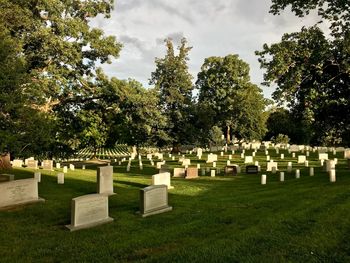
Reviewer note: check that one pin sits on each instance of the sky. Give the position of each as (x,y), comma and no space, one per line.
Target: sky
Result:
(212,28)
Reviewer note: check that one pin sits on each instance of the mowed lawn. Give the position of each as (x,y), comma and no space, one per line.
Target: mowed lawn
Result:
(221,219)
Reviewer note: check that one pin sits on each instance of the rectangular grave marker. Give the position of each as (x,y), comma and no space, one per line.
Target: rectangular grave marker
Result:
(89,211)
(19,192)
(162,178)
(105,180)
(191,172)
(154,200)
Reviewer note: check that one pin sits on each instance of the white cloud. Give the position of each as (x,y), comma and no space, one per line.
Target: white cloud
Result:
(213,28)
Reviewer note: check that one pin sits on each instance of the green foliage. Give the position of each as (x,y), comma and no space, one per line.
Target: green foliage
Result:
(216,135)
(49,55)
(312,75)
(281,138)
(335,12)
(225,88)
(173,81)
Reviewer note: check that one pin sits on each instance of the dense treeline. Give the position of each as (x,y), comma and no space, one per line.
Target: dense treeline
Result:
(54,99)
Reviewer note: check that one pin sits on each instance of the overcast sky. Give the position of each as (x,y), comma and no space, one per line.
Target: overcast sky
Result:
(212,28)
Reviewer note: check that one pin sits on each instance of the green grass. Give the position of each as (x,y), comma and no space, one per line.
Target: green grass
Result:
(221,219)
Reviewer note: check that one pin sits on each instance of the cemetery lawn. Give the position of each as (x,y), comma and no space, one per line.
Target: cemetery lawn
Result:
(221,219)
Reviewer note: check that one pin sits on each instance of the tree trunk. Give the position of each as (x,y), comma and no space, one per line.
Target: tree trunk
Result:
(228,138)
(176,148)
(5,161)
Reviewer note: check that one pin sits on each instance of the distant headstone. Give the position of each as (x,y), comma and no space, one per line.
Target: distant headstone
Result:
(301,159)
(105,180)
(251,169)
(47,165)
(162,178)
(231,169)
(32,164)
(294,148)
(71,167)
(65,169)
(212,173)
(58,165)
(270,165)
(248,159)
(154,200)
(17,163)
(60,178)
(186,162)
(323,156)
(19,192)
(212,158)
(179,172)
(191,172)
(89,211)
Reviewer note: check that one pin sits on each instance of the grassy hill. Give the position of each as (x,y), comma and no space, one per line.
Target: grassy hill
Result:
(219,219)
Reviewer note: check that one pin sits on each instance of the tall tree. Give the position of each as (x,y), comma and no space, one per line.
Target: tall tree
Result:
(224,86)
(312,74)
(173,80)
(60,51)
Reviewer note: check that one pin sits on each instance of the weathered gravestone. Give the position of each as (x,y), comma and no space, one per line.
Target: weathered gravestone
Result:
(60,178)
(294,148)
(17,163)
(186,162)
(162,178)
(191,172)
(270,165)
(154,200)
(252,169)
(179,172)
(32,164)
(105,180)
(212,158)
(231,169)
(248,159)
(323,156)
(89,211)
(301,159)
(19,192)
(6,177)
(47,165)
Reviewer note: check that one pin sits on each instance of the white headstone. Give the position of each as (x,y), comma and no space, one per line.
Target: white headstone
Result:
(89,211)
(270,165)
(297,173)
(332,177)
(19,192)
(212,173)
(105,180)
(65,169)
(311,171)
(248,159)
(179,172)
(37,175)
(263,179)
(162,178)
(71,167)
(60,178)
(154,200)
(282,176)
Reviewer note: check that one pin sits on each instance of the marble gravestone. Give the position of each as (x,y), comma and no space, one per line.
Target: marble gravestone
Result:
(323,156)
(32,164)
(191,172)
(162,178)
(248,159)
(105,180)
(251,169)
(19,192)
(231,169)
(17,163)
(270,165)
(301,159)
(47,165)
(88,211)
(186,162)
(212,158)
(179,172)
(154,200)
